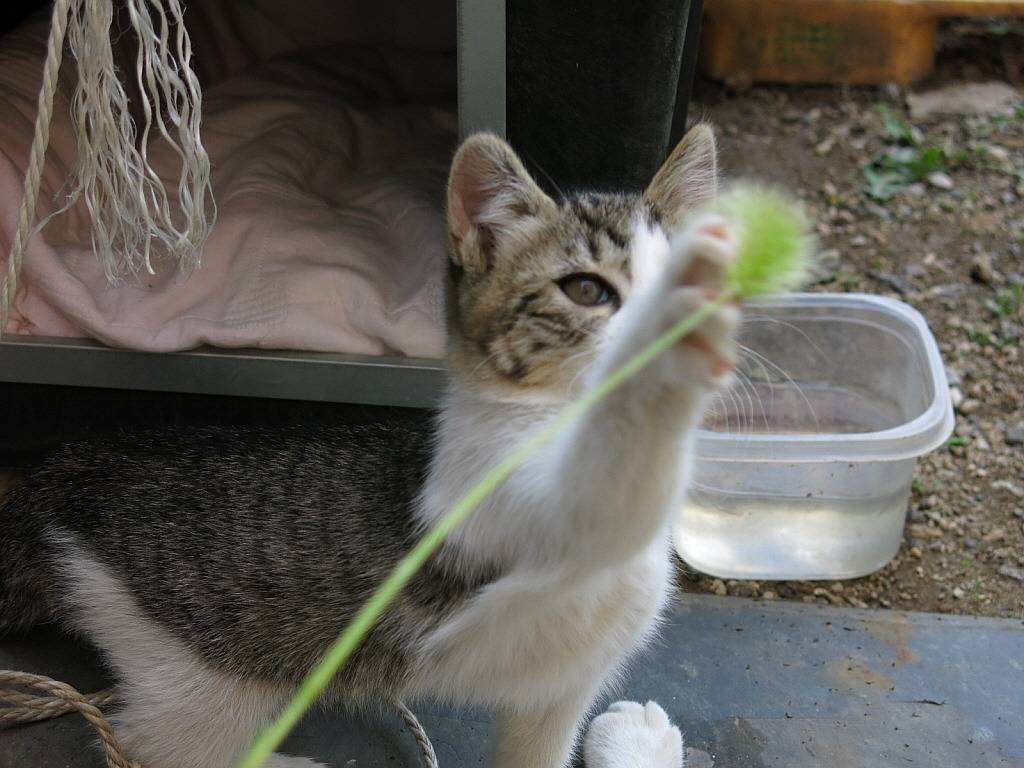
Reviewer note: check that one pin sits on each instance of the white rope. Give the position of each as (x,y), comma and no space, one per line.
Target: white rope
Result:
(131,214)
(132,217)
(419,733)
(37,155)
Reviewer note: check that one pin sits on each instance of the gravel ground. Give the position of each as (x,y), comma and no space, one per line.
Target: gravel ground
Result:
(938,223)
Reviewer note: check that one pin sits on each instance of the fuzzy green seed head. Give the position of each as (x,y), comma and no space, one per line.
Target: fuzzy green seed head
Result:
(775,246)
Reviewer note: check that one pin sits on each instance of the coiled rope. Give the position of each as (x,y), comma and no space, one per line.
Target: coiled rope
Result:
(59,699)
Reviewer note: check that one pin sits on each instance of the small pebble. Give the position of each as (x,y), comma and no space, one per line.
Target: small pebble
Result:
(769,595)
(744,588)
(981,269)
(956,396)
(1011,572)
(1015,434)
(891,281)
(1006,485)
(825,147)
(718,587)
(958,593)
(940,180)
(995,535)
(968,406)
(997,153)
(825,266)
(891,92)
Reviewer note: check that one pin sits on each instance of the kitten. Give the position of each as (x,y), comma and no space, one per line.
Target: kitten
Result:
(213,567)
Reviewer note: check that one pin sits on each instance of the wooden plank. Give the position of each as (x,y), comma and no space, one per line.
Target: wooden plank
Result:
(831,41)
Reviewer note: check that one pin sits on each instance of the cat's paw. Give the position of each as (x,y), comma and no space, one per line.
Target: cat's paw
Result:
(632,735)
(694,275)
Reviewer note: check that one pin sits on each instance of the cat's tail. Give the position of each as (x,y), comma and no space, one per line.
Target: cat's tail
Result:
(24,599)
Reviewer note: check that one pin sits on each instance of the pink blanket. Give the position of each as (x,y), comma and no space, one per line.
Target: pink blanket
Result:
(329,169)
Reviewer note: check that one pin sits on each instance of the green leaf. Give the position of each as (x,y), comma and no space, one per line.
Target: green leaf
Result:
(897,126)
(893,170)
(1007,302)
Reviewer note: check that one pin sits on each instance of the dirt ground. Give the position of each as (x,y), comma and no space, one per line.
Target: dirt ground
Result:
(929,210)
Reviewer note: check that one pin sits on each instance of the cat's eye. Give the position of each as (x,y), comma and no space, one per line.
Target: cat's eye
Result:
(588,290)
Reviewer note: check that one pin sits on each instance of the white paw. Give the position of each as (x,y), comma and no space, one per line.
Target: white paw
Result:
(631,735)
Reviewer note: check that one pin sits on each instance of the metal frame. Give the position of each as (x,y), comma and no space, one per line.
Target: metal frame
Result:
(320,377)
(481,42)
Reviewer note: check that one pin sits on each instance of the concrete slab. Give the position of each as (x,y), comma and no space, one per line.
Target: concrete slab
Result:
(754,685)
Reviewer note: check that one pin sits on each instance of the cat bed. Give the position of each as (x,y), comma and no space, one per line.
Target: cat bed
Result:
(329,164)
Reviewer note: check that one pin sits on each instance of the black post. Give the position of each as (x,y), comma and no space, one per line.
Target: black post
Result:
(687,70)
(592,87)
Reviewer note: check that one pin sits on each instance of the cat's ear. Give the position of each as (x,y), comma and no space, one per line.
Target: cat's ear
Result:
(688,178)
(492,200)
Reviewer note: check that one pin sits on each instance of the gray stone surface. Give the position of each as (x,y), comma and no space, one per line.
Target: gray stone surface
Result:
(754,684)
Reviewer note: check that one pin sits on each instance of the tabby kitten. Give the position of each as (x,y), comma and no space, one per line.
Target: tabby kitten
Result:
(213,567)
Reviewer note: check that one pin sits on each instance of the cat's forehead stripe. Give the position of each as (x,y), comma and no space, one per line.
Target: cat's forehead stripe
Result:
(603,218)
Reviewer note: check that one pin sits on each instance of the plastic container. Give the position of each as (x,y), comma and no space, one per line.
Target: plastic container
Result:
(804,466)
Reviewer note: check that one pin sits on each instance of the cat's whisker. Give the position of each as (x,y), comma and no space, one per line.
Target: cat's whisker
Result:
(752,395)
(788,325)
(744,399)
(740,406)
(747,357)
(790,380)
(533,161)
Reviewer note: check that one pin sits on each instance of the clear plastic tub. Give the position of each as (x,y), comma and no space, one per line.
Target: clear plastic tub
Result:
(804,467)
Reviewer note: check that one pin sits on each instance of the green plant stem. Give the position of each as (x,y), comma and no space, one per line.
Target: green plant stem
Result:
(350,639)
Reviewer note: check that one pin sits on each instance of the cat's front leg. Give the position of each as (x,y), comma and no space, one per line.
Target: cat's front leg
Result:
(544,736)
(616,473)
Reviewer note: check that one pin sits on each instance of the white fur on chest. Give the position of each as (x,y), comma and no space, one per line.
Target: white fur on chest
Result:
(540,636)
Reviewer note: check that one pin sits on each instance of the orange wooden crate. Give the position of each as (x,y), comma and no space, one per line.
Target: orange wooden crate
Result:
(831,41)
